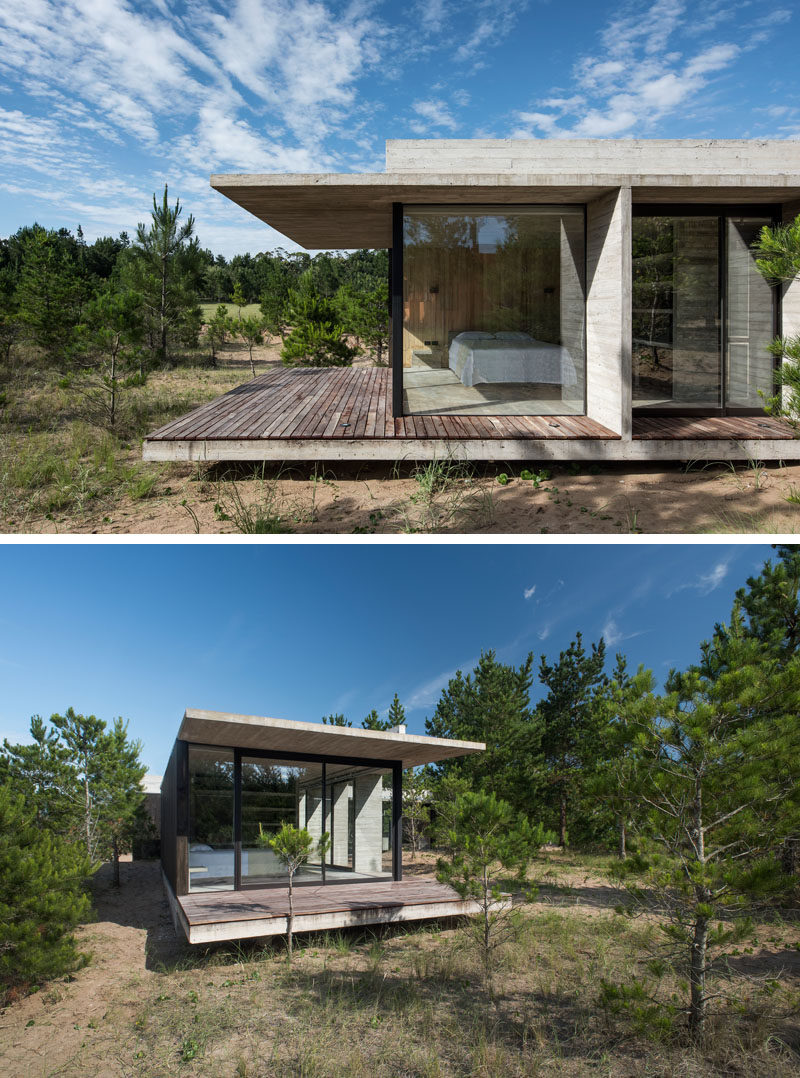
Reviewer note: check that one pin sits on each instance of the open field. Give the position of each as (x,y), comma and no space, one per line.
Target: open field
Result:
(61,473)
(400,1002)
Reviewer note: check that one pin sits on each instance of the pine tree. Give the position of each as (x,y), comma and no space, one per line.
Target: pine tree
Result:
(50,295)
(719,776)
(43,771)
(336,720)
(164,267)
(217,331)
(569,720)
(42,897)
(630,702)
(492,705)
(416,808)
(396,715)
(778,260)
(487,835)
(108,343)
(121,802)
(251,330)
(373,721)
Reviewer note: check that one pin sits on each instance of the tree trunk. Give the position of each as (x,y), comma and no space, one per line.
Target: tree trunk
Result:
(115,847)
(562,823)
(87,822)
(252,364)
(290,921)
(113,387)
(697,977)
(163,310)
(623,853)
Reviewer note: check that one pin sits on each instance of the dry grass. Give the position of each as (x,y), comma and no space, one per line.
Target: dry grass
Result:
(396,1002)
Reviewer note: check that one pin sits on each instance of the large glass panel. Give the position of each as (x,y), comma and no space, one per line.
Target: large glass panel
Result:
(210,819)
(676,321)
(494,310)
(285,791)
(750,325)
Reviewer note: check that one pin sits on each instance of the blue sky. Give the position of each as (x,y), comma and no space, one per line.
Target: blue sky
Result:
(299,631)
(102,101)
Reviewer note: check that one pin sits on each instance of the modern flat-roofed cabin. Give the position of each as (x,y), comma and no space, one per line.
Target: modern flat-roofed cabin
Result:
(550,299)
(233,780)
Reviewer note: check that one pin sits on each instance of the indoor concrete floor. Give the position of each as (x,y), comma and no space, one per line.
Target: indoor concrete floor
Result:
(439,391)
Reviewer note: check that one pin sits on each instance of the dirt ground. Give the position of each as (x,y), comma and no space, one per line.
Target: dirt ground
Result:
(87,1023)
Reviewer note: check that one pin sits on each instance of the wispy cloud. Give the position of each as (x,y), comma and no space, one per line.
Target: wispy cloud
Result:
(432,114)
(643,71)
(530,592)
(705,583)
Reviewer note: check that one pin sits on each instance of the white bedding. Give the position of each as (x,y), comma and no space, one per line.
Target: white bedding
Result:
(511,357)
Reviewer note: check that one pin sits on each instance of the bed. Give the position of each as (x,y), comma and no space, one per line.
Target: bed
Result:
(477,357)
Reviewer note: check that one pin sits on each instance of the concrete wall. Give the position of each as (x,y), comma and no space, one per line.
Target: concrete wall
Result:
(702,157)
(340,799)
(608,311)
(368,790)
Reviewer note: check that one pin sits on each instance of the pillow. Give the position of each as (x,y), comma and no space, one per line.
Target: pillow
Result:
(474,335)
(512,336)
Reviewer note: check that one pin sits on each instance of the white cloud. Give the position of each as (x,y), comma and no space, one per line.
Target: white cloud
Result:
(544,632)
(611,633)
(529,592)
(707,582)
(635,79)
(435,113)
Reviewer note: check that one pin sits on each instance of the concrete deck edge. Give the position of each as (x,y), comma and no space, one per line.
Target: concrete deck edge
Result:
(322,922)
(488,449)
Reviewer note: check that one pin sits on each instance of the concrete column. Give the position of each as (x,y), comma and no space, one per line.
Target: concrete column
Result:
(368,790)
(608,311)
(313,804)
(340,803)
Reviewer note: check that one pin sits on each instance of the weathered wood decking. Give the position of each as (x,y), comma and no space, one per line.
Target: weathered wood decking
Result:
(346,414)
(226,915)
(347,404)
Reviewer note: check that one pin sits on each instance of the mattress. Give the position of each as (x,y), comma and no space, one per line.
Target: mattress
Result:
(513,357)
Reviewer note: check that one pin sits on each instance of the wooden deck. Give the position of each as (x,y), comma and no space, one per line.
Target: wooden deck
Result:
(346,404)
(716,428)
(225,915)
(346,414)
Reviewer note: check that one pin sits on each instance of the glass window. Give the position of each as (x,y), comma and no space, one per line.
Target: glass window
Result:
(750,326)
(211,851)
(494,310)
(686,271)
(676,326)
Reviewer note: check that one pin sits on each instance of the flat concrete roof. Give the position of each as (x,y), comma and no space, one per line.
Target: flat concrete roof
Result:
(347,210)
(287,736)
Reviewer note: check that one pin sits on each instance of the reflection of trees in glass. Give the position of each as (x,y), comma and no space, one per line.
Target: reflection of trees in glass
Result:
(269,798)
(653,284)
(211,800)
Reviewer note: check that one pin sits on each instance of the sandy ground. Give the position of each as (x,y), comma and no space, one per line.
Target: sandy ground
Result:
(375,499)
(84,1024)
(364,498)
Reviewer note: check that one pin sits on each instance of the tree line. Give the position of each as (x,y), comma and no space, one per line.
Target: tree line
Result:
(102,315)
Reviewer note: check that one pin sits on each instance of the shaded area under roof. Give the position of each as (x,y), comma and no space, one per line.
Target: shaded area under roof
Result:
(354,210)
(286,736)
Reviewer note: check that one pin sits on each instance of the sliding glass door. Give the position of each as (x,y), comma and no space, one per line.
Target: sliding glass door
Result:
(702,315)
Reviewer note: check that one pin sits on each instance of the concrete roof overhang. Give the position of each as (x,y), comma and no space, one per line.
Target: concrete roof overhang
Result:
(354,210)
(287,736)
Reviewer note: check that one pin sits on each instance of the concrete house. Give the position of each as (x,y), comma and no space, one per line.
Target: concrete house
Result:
(550,299)
(233,780)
